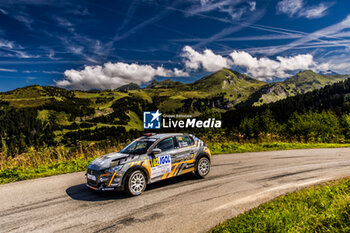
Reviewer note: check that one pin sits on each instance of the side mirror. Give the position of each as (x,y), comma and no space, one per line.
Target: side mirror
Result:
(156,151)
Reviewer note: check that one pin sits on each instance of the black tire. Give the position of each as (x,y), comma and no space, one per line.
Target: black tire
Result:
(202,167)
(136,183)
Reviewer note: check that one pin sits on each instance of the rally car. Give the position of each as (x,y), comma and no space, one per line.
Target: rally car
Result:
(148,159)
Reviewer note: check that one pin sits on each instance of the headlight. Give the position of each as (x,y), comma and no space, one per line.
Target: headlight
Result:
(113,169)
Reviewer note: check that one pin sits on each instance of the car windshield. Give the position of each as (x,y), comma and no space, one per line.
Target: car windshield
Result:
(139,146)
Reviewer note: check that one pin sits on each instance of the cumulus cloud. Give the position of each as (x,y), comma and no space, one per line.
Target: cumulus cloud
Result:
(260,68)
(207,60)
(299,9)
(267,69)
(113,75)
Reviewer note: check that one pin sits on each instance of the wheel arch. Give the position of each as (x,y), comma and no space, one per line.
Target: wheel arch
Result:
(203,154)
(134,168)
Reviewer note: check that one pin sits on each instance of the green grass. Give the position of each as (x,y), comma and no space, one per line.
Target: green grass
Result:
(321,208)
(55,168)
(135,122)
(49,161)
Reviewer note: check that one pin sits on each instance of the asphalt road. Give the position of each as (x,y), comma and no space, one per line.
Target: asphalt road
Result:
(236,183)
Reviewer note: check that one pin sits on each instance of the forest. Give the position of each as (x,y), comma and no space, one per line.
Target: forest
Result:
(318,116)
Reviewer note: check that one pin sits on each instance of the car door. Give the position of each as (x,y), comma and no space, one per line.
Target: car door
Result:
(161,164)
(186,148)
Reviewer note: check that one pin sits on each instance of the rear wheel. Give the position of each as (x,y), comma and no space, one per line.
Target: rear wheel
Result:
(136,183)
(202,167)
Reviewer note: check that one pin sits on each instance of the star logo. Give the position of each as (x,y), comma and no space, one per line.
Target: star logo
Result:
(151,120)
(156,115)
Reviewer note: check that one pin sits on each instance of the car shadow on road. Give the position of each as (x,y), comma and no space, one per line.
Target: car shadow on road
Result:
(82,193)
(171,182)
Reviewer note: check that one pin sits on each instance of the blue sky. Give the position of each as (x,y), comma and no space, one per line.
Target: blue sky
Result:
(105,44)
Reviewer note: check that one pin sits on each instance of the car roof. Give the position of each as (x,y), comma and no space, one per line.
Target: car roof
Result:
(164,135)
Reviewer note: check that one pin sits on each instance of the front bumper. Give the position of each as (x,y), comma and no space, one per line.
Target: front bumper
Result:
(101,188)
(103,182)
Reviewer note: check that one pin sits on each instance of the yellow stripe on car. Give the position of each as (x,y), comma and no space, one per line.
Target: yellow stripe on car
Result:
(110,182)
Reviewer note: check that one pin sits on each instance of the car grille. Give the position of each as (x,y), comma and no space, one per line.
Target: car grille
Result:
(96,174)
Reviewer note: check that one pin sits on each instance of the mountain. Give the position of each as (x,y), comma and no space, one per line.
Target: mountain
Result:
(35,95)
(232,83)
(223,89)
(335,97)
(69,116)
(168,83)
(322,115)
(328,72)
(303,82)
(129,87)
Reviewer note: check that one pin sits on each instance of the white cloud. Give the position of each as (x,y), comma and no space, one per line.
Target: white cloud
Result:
(180,73)
(289,7)
(343,67)
(8,70)
(268,69)
(314,11)
(236,9)
(3,11)
(51,54)
(63,22)
(328,35)
(6,44)
(21,54)
(79,12)
(207,60)
(297,8)
(260,68)
(252,6)
(113,75)
(41,71)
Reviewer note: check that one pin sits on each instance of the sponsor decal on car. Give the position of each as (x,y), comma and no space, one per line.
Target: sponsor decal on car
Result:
(160,165)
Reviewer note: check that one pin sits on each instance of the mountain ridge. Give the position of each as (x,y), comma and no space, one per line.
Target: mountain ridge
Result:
(227,86)
(303,82)
(71,115)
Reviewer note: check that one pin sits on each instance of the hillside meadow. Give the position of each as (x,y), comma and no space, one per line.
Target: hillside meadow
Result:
(48,130)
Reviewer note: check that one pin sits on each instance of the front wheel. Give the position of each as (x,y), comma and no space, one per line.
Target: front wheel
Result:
(202,167)
(136,183)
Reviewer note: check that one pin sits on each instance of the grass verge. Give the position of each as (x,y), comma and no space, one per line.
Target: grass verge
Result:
(321,208)
(227,147)
(54,168)
(61,160)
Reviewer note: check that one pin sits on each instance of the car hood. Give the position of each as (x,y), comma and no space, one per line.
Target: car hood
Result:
(104,161)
